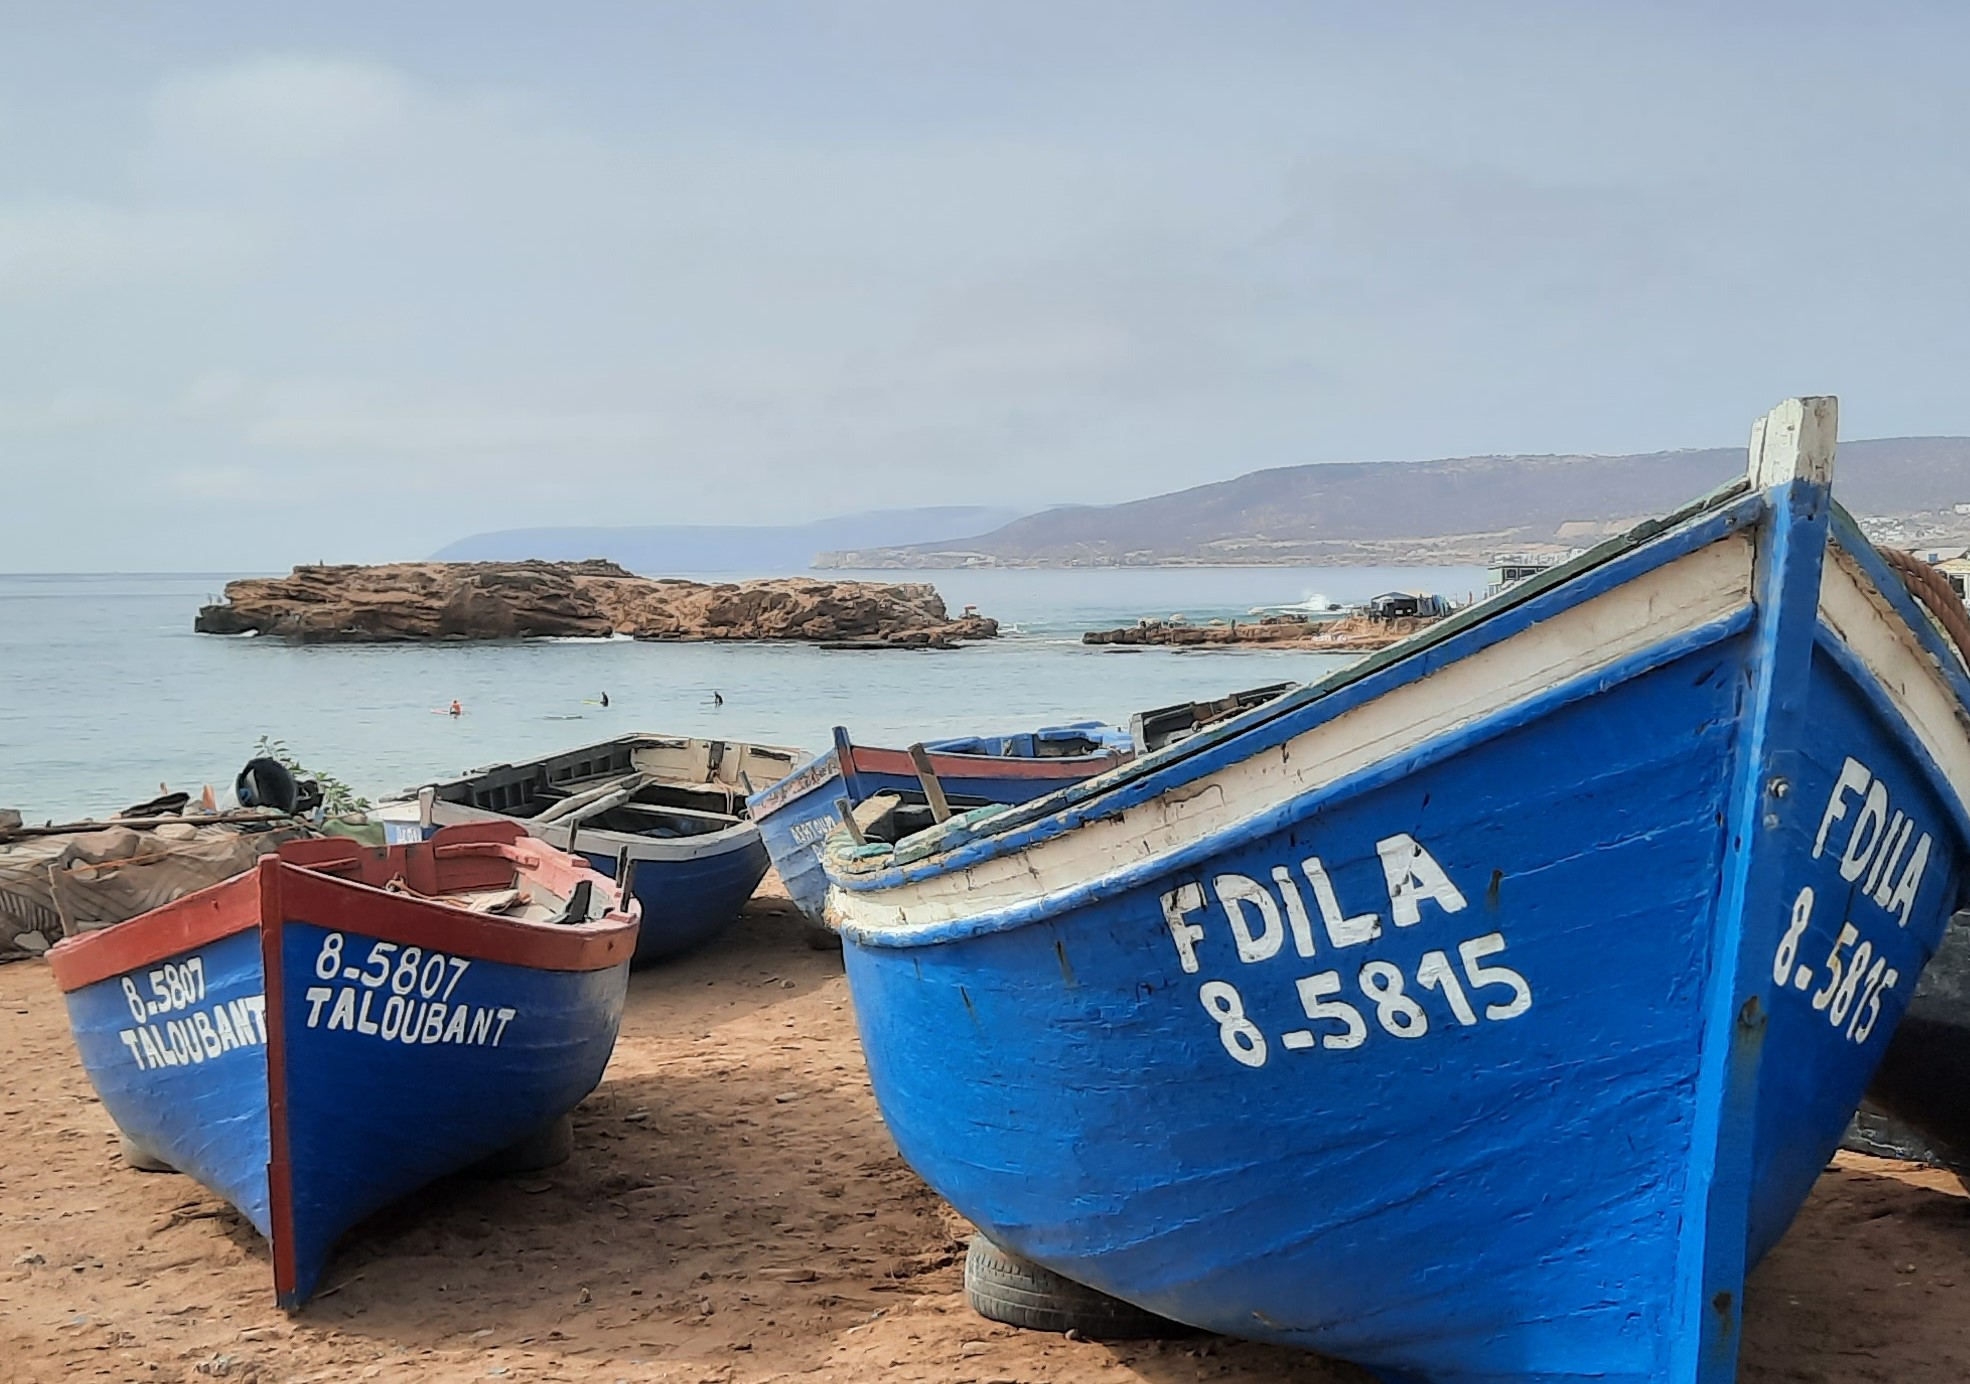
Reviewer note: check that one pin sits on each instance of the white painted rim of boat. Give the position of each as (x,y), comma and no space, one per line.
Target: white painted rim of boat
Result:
(1698,589)
(673,849)
(1708,585)
(1877,635)
(599,841)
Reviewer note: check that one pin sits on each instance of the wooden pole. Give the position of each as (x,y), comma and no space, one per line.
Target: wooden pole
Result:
(240,818)
(845,809)
(933,791)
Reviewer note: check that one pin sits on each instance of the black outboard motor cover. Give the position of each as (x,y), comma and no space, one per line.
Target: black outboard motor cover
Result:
(267,782)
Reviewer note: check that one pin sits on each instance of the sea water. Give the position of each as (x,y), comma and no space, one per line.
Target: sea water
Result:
(107,695)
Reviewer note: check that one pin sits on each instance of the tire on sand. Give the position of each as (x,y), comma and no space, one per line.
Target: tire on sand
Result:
(139,1157)
(1002,1287)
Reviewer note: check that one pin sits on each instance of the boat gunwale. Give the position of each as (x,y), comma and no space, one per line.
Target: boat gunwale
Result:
(100,954)
(596,944)
(702,846)
(1855,671)
(632,740)
(1645,549)
(1319,798)
(848,761)
(959,764)
(1846,531)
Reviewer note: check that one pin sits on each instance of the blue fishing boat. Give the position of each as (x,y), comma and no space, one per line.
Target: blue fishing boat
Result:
(674,806)
(796,813)
(1481,1012)
(323,1035)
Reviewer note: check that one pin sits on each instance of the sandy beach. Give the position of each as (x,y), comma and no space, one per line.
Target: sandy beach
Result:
(734,1211)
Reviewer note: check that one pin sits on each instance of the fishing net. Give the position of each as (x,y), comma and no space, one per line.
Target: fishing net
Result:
(57,886)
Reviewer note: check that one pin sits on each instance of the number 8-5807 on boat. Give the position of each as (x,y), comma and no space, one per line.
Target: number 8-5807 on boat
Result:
(1482,1012)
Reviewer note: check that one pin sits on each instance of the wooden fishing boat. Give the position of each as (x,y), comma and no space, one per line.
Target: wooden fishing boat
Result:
(1481,1012)
(796,813)
(1167,725)
(675,806)
(429,1005)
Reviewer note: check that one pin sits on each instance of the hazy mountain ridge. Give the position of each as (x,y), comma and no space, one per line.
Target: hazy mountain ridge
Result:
(664,548)
(1454,510)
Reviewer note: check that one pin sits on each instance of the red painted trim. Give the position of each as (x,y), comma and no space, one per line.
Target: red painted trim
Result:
(344,906)
(341,882)
(868,759)
(180,926)
(280,1162)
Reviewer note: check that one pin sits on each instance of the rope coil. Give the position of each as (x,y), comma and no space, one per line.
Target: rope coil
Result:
(1937,596)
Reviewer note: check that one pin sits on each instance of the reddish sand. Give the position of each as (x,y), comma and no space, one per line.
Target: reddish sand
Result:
(734,1211)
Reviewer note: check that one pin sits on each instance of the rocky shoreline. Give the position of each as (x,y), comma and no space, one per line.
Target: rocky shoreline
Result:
(413,601)
(1347,635)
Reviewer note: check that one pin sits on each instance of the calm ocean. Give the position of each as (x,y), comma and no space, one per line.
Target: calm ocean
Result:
(105,692)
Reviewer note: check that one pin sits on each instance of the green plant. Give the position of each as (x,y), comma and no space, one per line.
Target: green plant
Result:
(336,796)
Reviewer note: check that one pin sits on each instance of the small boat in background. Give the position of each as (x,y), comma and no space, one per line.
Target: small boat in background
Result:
(326,1033)
(1483,1011)
(1167,725)
(796,813)
(674,806)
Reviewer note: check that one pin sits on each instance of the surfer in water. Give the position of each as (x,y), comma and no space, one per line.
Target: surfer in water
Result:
(456,709)
(605,699)
(717,700)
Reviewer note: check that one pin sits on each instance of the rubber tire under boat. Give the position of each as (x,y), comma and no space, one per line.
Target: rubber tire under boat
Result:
(549,1146)
(1002,1287)
(139,1157)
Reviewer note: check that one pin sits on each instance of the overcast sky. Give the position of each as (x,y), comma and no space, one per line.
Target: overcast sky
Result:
(283,282)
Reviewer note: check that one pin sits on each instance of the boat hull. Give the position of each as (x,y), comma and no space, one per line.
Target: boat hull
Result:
(1477,1016)
(1322,1197)
(197,1102)
(401,1041)
(689,888)
(509,1049)
(688,895)
(796,815)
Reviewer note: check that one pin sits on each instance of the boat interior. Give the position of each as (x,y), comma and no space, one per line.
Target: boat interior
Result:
(1049,742)
(889,816)
(1167,725)
(654,786)
(470,873)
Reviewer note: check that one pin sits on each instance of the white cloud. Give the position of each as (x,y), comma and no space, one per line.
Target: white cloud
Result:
(50,245)
(283,108)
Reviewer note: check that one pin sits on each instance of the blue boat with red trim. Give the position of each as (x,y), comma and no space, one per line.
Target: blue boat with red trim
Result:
(1482,1012)
(323,1035)
(673,806)
(796,813)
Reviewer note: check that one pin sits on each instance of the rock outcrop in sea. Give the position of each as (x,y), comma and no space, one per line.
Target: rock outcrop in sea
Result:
(1348,635)
(406,601)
